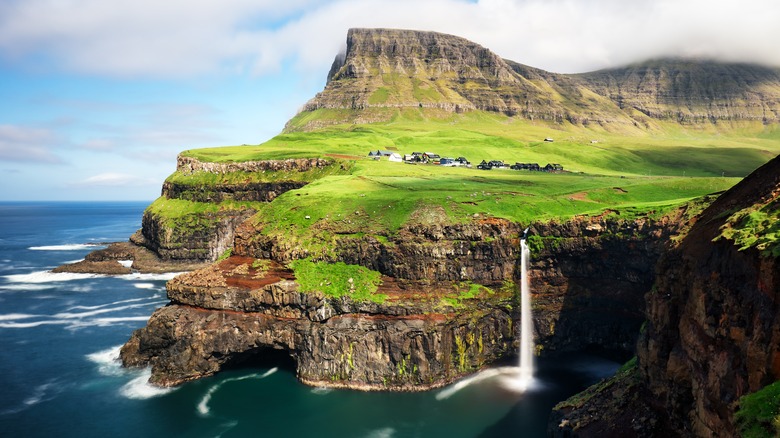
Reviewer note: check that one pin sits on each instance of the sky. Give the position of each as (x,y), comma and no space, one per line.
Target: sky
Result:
(98,97)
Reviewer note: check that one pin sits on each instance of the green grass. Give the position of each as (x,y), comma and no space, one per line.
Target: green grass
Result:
(759,413)
(337,167)
(627,170)
(182,218)
(338,280)
(381,197)
(673,151)
(756,226)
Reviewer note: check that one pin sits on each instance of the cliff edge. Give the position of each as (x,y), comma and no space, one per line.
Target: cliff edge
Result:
(713,329)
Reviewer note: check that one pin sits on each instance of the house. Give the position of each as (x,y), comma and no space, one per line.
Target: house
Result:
(378,154)
(484,165)
(497,163)
(534,167)
(553,167)
(449,162)
(463,161)
(431,157)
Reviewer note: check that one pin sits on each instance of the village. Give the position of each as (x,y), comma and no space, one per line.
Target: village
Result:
(431,158)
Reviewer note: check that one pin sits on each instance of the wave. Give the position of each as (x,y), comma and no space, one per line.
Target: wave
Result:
(386,432)
(321,391)
(107,361)
(71,315)
(70,262)
(510,378)
(26,287)
(32,324)
(105,322)
(145,285)
(75,321)
(15,316)
(100,306)
(139,388)
(40,394)
(149,277)
(39,277)
(269,372)
(203,405)
(67,247)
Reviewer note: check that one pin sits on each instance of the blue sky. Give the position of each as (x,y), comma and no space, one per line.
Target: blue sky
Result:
(98,97)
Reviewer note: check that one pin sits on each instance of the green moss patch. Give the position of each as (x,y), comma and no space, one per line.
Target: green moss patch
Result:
(755,227)
(338,280)
(759,413)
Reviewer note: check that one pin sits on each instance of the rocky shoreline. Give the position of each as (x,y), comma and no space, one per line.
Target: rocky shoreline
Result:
(133,258)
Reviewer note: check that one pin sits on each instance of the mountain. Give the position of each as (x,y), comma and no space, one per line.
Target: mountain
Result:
(387,69)
(691,91)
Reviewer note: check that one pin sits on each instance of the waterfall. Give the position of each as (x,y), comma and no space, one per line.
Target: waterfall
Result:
(526,374)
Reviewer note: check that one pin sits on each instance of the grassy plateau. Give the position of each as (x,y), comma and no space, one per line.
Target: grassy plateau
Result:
(628,172)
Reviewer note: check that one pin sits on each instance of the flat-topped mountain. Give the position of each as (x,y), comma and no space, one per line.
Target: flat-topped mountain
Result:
(390,69)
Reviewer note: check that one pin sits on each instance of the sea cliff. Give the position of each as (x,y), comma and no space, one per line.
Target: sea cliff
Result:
(712,333)
(450,304)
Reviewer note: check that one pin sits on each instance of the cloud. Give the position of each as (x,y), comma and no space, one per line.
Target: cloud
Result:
(27,145)
(111,179)
(172,38)
(180,38)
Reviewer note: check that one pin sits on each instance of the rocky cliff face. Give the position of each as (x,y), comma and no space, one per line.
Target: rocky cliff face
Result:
(204,236)
(229,314)
(692,91)
(390,69)
(396,69)
(416,339)
(589,277)
(713,332)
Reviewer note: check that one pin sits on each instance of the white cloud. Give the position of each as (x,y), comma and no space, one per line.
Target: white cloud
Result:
(111,179)
(27,145)
(184,38)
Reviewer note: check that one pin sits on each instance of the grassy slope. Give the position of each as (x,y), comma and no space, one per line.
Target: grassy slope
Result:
(630,171)
(668,150)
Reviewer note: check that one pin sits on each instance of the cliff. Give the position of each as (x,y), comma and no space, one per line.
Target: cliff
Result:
(692,91)
(713,332)
(448,304)
(384,70)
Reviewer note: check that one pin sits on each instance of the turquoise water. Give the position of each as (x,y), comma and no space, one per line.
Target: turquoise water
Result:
(60,336)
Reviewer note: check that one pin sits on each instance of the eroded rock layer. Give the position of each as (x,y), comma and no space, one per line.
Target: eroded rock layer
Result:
(229,313)
(713,329)
(418,337)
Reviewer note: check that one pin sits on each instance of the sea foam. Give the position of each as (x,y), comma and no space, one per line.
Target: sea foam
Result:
(203,405)
(68,247)
(510,378)
(107,361)
(47,277)
(386,432)
(139,388)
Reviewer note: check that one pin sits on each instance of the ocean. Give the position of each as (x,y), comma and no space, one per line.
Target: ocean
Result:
(60,376)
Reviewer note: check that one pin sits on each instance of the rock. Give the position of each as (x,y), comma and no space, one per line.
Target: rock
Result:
(229,312)
(334,342)
(712,335)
